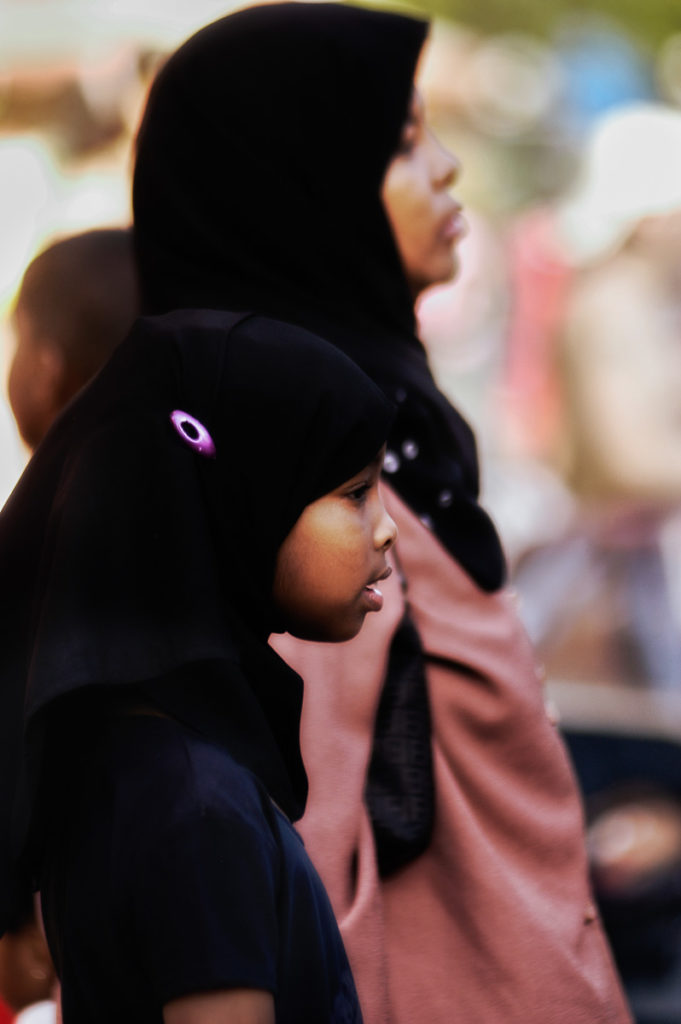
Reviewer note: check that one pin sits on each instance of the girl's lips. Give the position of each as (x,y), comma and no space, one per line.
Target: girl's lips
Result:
(372,595)
(383,576)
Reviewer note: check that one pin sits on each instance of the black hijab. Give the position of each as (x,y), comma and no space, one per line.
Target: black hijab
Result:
(135,554)
(257,184)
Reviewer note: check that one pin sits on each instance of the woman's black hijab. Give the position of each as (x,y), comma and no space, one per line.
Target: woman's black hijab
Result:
(257,184)
(135,554)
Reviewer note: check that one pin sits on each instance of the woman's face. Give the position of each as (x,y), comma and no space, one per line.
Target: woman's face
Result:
(426,220)
(329,564)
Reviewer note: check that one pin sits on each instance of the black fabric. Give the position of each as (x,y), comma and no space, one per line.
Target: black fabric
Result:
(150,807)
(257,185)
(400,792)
(130,555)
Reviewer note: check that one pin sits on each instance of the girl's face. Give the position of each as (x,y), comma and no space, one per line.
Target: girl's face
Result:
(426,220)
(329,564)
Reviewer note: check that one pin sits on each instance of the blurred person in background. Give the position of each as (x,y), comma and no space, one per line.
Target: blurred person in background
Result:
(284,164)
(602,599)
(77,301)
(614,366)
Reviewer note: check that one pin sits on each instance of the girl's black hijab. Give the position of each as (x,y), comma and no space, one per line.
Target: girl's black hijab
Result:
(135,556)
(257,184)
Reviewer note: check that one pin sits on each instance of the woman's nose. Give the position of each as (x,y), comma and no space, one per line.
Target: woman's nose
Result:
(446,167)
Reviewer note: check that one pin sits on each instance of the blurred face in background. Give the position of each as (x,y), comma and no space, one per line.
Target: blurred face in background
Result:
(34,379)
(621,361)
(426,220)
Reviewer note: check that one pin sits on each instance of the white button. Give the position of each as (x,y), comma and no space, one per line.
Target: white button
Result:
(410,449)
(391,462)
(445,498)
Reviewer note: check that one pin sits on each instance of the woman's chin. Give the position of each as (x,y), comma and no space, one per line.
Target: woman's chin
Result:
(447,272)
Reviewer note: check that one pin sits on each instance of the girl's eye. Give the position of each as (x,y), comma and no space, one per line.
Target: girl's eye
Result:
(359,493)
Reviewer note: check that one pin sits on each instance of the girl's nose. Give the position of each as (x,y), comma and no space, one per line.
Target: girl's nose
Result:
(386,530)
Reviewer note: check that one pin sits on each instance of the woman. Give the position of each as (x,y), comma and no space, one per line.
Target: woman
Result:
(150,556)
(283,161)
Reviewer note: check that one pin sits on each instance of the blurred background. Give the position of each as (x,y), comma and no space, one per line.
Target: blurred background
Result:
(560,341)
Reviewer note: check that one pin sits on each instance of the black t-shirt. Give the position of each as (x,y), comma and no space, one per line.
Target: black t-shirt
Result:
(169,871)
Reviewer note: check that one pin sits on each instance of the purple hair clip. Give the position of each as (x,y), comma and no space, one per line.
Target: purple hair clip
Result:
(193,433)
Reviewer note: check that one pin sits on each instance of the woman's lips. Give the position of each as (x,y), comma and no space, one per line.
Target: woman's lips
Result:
(454,227)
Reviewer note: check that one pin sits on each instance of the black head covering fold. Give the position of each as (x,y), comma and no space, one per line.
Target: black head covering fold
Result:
(132,558)
(257,185)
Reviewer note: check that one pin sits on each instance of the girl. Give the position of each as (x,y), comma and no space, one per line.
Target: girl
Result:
(216,482)
(284,164)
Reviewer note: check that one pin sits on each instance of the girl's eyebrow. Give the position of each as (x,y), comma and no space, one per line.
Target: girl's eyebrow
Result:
(373,466)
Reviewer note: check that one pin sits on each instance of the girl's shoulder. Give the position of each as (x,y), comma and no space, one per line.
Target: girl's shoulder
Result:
(174,779)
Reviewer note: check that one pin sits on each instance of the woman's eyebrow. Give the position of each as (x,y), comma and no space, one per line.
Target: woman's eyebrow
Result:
(416,106)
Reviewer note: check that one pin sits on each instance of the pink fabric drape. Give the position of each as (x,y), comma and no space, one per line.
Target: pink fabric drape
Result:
(495,921)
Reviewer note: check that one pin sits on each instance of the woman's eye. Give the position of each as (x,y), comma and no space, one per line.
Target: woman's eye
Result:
(407,142)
